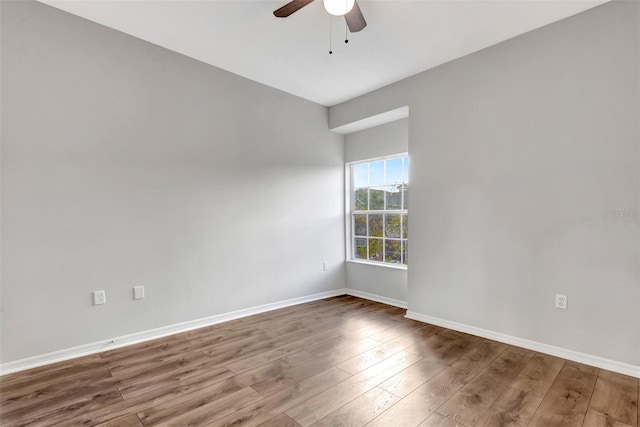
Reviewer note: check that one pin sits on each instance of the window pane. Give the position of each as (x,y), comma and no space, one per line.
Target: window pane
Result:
(405,197)
(375,249)
(393,171)
(361,199)
(392,226)
(382,186)
(376,174)
(360,175)
(375,225)
(392,252)
(405,226)
(405,252)
(406,169)
(360,225)
(394,197)
(377,199)
(360,248)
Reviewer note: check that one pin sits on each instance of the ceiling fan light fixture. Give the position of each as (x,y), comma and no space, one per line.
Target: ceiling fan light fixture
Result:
(338,7)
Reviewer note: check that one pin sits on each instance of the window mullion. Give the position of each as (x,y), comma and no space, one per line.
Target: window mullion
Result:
(384,226)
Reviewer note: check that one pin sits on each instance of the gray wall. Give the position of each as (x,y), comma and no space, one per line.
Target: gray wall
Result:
(517,152)
(379,141)
(126,164)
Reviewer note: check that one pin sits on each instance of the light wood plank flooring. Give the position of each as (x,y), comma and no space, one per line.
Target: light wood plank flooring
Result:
(342,361)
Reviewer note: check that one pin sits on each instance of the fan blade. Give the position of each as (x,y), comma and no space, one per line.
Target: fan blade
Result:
(355,19)
(291,7)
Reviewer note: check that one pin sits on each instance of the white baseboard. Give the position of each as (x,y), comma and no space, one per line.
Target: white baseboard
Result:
(576,356)
(138,337)
(377,298)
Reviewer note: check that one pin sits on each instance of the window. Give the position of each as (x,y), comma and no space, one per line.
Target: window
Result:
(379,215)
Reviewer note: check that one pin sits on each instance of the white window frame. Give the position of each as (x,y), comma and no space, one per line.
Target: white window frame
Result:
(349,193)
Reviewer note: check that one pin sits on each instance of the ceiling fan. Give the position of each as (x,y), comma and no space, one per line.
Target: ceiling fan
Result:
(347,8)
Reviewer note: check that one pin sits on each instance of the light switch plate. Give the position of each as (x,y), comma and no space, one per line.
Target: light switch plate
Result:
(138,292)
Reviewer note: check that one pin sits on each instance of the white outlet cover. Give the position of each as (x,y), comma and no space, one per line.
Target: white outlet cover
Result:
(561,301)
(99,298)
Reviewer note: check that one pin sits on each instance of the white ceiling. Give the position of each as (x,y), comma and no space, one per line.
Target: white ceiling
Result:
(402,37)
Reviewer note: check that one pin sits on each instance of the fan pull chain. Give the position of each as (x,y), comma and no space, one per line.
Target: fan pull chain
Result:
(330,48)
(346,34)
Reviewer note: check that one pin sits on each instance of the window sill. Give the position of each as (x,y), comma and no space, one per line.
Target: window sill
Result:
(379,264)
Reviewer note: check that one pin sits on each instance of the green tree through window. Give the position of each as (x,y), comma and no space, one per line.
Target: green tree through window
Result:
(379,213)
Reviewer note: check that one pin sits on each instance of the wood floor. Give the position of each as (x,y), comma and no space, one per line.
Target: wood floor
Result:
(342,361)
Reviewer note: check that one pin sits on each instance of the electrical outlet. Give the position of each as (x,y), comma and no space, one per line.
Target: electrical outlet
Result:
(325,265)
(561,301)
(99,298)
